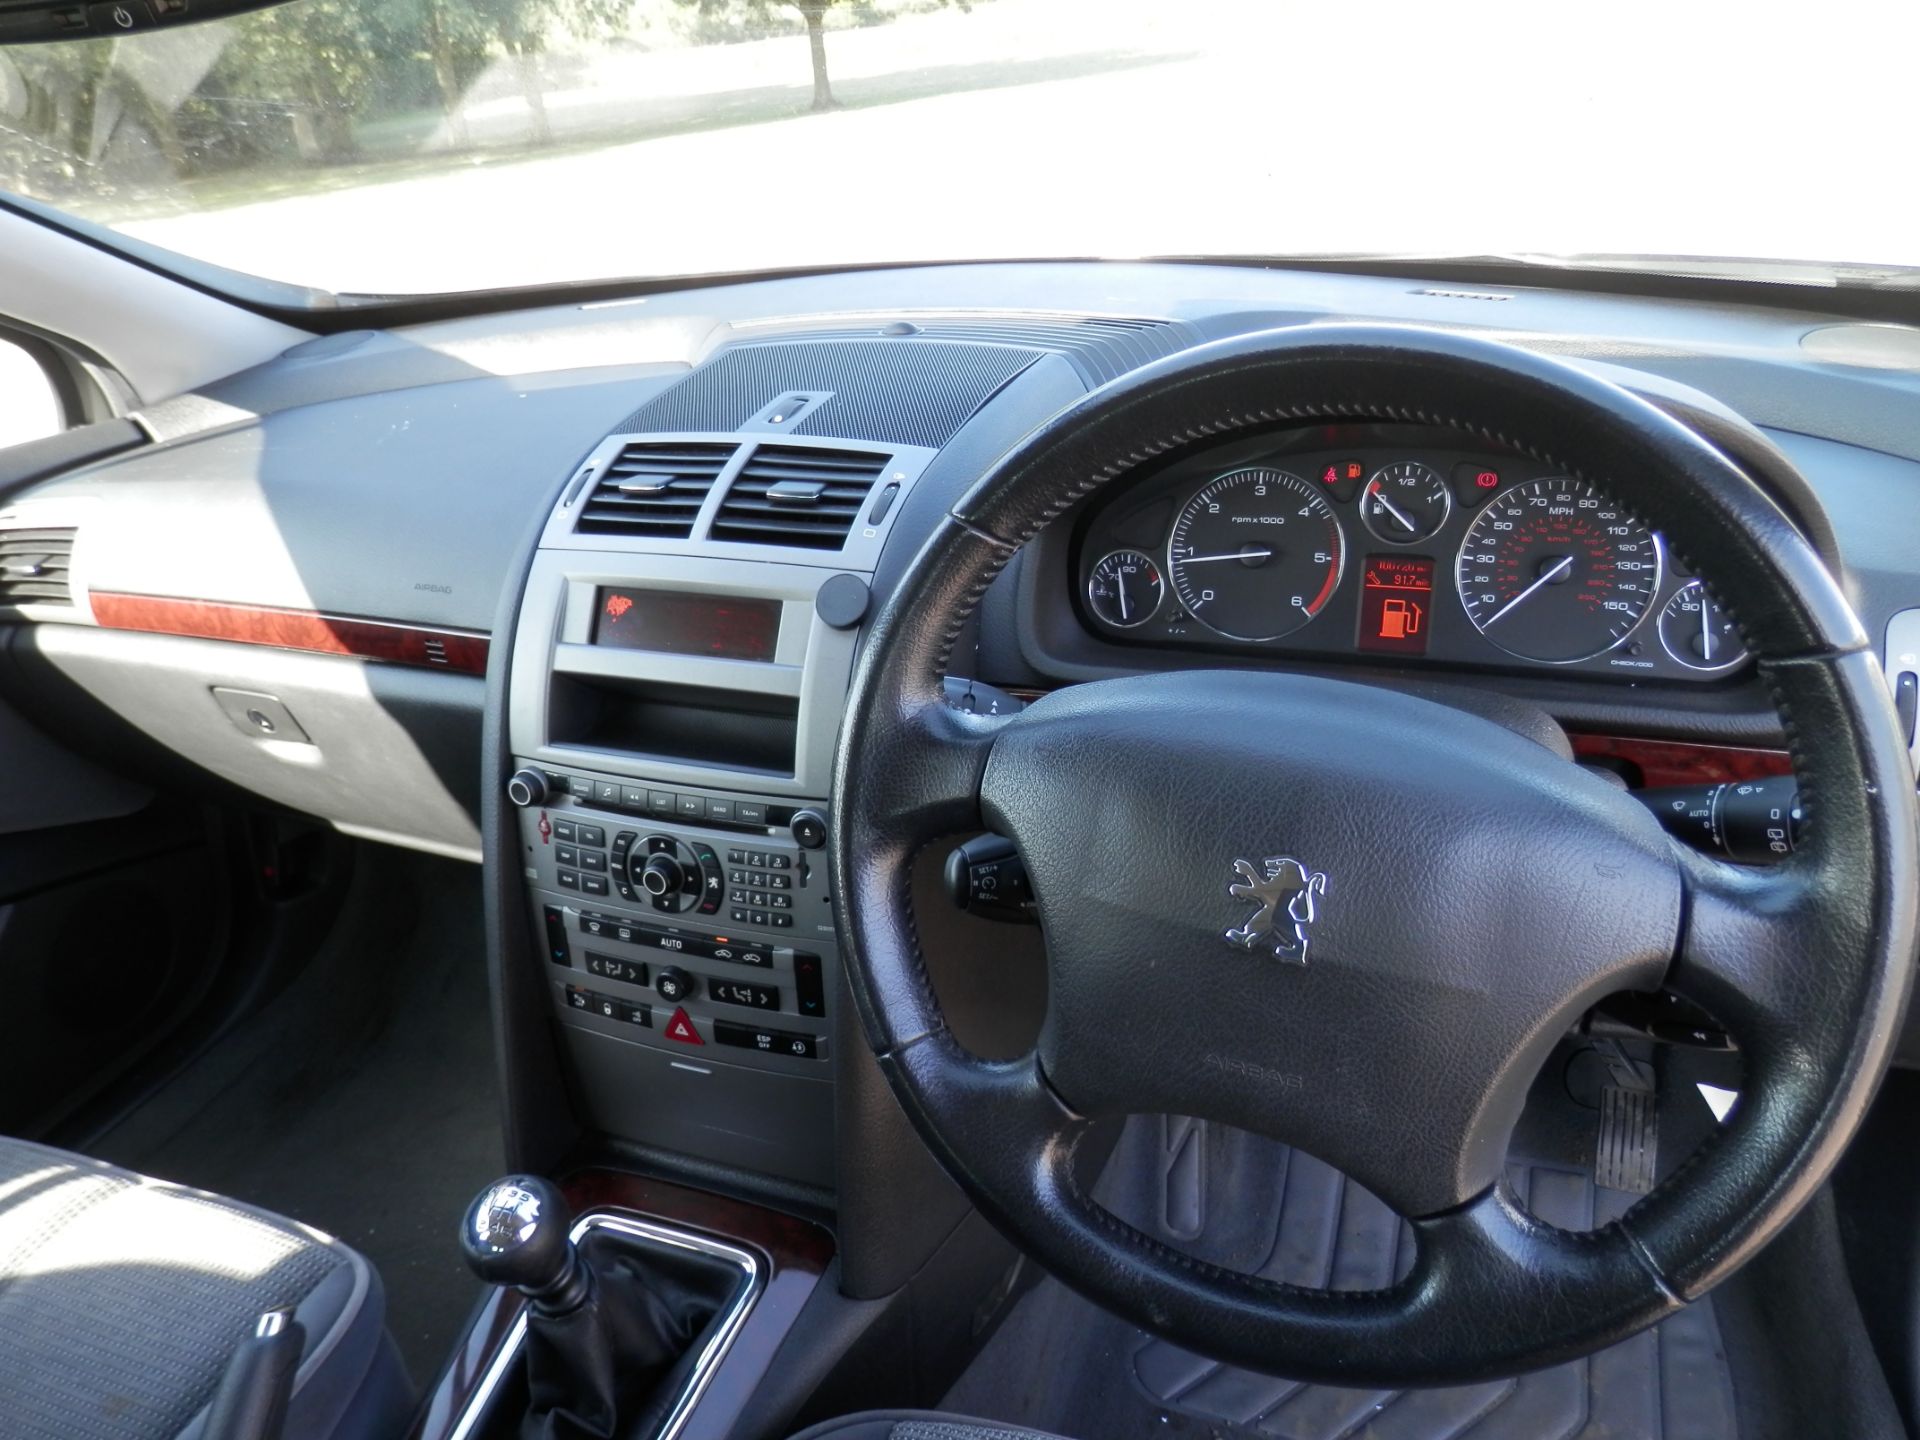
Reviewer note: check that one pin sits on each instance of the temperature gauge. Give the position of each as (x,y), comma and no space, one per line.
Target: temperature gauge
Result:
(1125,588)
(1697,633)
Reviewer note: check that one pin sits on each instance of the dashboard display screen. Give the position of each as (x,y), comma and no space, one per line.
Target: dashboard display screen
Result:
(1396,603)
(724,627)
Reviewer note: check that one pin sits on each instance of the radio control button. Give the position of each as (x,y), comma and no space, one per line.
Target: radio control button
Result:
(592,835)
(691,807)
(605,792)
(736,857)
(757,859)
(782,922)
(809,828)
(565,855)
(581,786)
(662,802)
(568,879)
(632,797)
(778,861)
(594,885)
(777,882)
(738,917)
(719,809)
(749,812)
(593,860)
(563,830)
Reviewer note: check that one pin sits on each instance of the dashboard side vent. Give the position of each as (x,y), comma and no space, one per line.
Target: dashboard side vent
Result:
(653,491)
(798,496)
(34,566)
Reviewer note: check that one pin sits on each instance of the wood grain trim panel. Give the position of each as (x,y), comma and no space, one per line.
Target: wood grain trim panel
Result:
(1652,764)
(797,1252)
(462,651)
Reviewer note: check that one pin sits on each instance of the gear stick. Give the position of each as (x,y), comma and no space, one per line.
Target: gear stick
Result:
(611,1327)
(515,1234)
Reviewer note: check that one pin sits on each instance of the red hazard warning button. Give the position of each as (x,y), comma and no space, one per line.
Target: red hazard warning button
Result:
(680,1028)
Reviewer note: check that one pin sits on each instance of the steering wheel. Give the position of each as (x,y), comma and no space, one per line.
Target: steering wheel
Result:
(1480,892)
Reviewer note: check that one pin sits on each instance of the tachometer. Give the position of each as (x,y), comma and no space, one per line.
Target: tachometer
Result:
(1256,554)
(1554,571)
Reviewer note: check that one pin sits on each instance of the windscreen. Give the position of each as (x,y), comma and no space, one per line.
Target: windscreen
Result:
(392,146)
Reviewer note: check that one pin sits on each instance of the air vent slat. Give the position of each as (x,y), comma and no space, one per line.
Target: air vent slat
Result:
(35,566)
(653,491)
(835,482)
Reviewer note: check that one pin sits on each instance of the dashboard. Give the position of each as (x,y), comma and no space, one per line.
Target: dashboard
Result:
(1373,543)
(625,554)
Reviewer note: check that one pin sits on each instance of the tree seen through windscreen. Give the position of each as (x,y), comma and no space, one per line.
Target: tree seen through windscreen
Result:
(331,82)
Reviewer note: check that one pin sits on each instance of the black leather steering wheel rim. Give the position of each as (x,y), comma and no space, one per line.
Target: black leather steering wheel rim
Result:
(1808,963)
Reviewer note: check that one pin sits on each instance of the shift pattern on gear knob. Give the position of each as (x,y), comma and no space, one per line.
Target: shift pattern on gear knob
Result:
(515,1233)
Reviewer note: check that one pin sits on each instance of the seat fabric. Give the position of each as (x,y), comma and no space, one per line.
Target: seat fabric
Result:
(915,1425)
(122,1299)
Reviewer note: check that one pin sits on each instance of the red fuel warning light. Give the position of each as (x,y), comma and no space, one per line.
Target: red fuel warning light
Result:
(1396,597)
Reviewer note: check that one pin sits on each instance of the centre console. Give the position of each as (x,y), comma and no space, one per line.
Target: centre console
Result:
(679,675)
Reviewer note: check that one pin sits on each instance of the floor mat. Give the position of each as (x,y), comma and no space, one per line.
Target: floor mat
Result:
(1059,1363)
(362,1100)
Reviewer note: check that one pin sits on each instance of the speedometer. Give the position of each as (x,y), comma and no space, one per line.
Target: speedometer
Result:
(1554,571)
(1256,554)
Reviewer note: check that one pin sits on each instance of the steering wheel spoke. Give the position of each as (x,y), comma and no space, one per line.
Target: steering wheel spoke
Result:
(1749,955)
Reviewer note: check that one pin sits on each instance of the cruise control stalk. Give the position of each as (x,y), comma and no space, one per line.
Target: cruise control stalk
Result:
(987,877)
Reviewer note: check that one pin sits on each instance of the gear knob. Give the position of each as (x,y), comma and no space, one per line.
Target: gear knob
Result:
(515,1233)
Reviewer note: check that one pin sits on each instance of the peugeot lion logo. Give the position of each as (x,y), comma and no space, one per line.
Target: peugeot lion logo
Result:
(1287,886)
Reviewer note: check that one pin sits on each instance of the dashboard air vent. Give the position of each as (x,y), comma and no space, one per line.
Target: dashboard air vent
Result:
(653,492)
(34,567)
(798,496)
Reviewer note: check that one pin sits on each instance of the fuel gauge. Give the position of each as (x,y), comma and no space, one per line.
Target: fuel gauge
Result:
(1126,588)
(1697,633)
(1406,503)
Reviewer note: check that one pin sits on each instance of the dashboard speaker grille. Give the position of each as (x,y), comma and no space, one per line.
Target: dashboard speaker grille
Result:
(798,496)
(889,391)
(653,491)
(1101,347)
(35,566)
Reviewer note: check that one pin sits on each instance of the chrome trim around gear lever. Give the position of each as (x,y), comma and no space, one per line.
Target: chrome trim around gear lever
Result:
(724,1330)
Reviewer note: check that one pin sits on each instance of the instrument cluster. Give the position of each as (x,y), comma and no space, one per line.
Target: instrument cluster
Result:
(1408,550)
